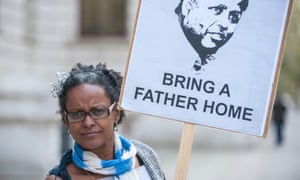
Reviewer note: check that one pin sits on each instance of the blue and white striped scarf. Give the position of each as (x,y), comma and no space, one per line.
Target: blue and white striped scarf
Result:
(123,163)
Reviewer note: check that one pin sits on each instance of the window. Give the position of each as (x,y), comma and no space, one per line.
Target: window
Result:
(103,17)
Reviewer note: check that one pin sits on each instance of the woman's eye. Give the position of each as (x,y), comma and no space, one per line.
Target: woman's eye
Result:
(77,115)
(98,112)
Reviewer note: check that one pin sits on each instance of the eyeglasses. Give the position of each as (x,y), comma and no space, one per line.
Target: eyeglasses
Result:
(95,113)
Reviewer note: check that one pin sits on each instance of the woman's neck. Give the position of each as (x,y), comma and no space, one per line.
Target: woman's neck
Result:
(106,151)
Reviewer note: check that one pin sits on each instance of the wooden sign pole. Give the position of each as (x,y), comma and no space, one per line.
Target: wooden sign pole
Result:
(185,151)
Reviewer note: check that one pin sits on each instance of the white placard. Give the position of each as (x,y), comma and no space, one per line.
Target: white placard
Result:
(212,63)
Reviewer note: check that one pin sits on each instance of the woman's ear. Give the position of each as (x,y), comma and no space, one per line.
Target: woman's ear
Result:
(64,118)
(116,113)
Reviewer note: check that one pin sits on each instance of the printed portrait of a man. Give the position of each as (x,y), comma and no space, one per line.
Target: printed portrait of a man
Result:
(208,25)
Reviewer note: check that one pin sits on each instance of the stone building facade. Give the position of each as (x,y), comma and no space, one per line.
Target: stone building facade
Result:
(38,38)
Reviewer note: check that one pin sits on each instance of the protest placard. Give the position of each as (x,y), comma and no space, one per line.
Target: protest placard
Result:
(212,63)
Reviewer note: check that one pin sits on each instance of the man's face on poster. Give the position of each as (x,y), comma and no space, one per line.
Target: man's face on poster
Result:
(212,21)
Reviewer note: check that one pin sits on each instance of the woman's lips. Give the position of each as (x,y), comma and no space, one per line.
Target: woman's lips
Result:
(90,134)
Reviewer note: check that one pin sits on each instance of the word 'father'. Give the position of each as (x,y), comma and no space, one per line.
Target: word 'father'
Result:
(193,103)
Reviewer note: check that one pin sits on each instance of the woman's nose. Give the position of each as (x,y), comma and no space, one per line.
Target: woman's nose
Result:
(88,121)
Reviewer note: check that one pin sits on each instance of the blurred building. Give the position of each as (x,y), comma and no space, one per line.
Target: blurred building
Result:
(38,38)
(41,37)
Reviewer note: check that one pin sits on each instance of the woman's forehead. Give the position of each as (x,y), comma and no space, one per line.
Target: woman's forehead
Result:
(87,94)
(86,89)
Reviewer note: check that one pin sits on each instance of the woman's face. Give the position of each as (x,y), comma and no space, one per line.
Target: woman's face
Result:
(91,134)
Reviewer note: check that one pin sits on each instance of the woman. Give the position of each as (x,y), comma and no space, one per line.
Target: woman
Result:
(88,98)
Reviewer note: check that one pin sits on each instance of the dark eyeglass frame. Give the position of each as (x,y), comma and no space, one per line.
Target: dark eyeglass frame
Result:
(108,112)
